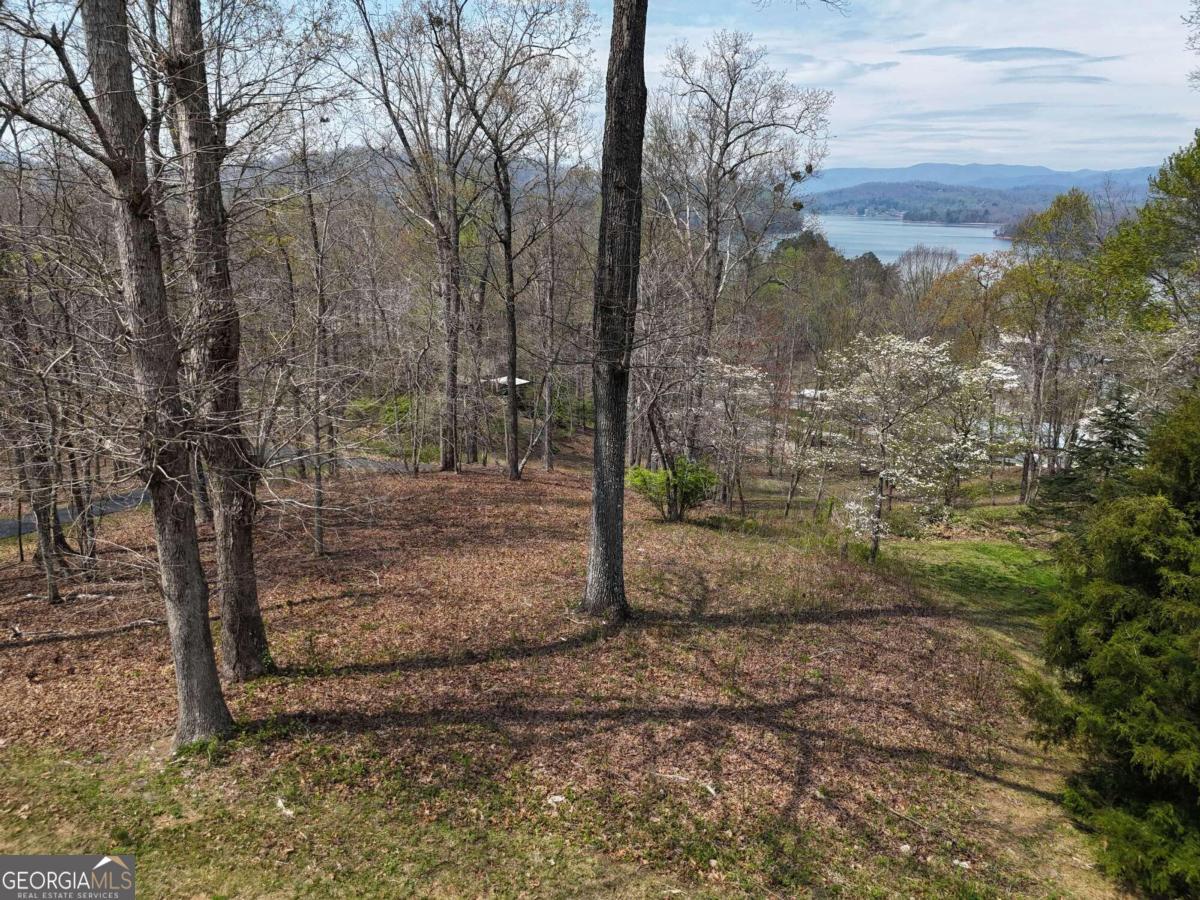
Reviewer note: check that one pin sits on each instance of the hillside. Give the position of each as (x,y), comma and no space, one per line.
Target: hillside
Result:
(933,192)
(926,201)
(995,177)
(775,721)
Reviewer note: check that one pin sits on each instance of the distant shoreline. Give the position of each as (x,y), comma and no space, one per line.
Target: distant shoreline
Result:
(901,220)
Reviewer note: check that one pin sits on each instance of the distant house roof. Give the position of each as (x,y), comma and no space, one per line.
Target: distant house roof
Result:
(503,380)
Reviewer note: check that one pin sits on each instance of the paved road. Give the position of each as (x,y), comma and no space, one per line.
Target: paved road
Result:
(134,498)
(115,503)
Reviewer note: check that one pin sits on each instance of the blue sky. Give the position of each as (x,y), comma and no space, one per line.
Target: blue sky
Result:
(1064,83)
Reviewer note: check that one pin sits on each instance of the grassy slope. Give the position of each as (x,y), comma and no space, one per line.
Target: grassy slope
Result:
(751,658)
(999,576)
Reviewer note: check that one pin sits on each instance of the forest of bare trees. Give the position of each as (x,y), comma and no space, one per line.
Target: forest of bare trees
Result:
(246,246)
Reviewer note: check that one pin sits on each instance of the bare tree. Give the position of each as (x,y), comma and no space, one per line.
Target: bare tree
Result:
(226,448)
(437,137)
(727,131)
(33,450)
(618,257)
(496,58)
(114,136)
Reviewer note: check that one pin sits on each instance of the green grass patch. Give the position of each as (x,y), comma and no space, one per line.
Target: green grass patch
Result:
(1001,585)
(331,821)
(341,818)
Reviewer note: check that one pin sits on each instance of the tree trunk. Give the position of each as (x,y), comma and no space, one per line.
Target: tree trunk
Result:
(230,458)
(81,490)
(155,355)
(615,304)
(20,529)
(293,352)
(547,425)
(476,409)
(714,275)
(877,519)
(551,286)
(448,262)
(511,408)
(791,492)
(820,496)
(318,356)
(204,511)
(39,477)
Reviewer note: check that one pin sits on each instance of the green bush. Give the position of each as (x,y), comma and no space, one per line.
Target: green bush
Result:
(1173,457)
(673,491)
(1125,643)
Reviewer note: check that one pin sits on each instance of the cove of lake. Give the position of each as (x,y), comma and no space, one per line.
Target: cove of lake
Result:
(888,238)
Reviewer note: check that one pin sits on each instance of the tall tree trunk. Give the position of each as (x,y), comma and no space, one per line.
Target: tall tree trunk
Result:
(81,504)
(880,489)
(293,357)
(877,518)
(230,458)
(547,425)
(204,511)
(448,261)
(714,274)
(511,401)
(476,409)
(551,286)
(20,525)
(155,355)
(615,304)
(318,354)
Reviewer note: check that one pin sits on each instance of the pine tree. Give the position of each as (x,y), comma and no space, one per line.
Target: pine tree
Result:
(1115,441)
(1124,643)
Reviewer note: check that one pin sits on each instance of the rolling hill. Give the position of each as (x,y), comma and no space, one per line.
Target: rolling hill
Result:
(935,192)
(928,201)
(997,177)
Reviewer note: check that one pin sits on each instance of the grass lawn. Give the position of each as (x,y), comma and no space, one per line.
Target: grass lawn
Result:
(998,584)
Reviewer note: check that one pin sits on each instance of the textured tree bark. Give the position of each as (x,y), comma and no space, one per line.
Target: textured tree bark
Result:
(476,411)
(204,511)
(511,408)
(244,652)
(451,276)
(615,304)
(155,355)
(548,328)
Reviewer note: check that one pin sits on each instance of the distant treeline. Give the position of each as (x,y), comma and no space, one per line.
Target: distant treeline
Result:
(926,201)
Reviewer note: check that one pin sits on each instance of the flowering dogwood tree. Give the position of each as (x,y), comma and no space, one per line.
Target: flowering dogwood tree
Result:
(977,428)
(884,390)
(737,422)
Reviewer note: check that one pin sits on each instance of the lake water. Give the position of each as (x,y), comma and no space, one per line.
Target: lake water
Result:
(888,238)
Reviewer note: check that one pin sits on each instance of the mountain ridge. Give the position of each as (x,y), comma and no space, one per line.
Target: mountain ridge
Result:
(994,176)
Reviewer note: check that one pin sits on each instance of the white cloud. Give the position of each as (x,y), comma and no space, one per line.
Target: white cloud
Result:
(1069,84)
